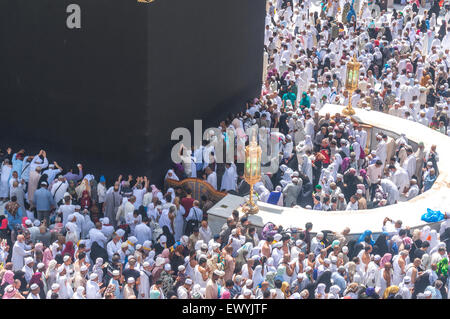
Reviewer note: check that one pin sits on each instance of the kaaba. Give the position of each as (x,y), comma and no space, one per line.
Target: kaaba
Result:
(105,82)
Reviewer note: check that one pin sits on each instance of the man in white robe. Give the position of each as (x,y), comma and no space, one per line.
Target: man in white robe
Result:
(391,189)
(20,250)
(144,286)
(229,178)
(59,188)
(381,151)
(413,190)
(410,163)
(211,177)
(143,232)
(400,177)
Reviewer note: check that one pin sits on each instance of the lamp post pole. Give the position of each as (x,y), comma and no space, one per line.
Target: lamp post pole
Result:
(252,173)
(351,84)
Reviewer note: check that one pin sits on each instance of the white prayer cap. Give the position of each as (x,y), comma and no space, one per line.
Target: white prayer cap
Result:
(298,242)
(238,278)
(247,292)
(138,246)
(77,207)
(327,261)
(105,220)
(44,183)
(28,222)
(345,249)
(339,175)
(66,257)
(249,282)
(120,232)
(40,265)
(93,276)
(133,239)
(407,279)
(130,280)
(163,239)
(37,223)
(233,232)
(66,194)
(333,259)
(277,237)
(295,180)
(359,191)
(181,268)
(429,163)
(377,257)
(124,245)
(116,272)
(188,281)
(341,268)
(255,257)
(308,269)
(427,293)
(219,272)
(167,267)
(204,246)
(341,195)
(55,286)
(28,260)
(34,286)
(215,246)
(160,261)
(83,268)
(147,244)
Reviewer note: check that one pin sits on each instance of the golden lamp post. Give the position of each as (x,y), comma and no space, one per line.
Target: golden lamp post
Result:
(252,173)
(351,84)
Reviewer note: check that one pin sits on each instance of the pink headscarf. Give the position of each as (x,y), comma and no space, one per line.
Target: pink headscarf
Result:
(47,257)
(39,246)
(165,254)
(407,241)
(24,219)
(4,224)
(386,258)
(8,277)
(155,190)
(9,295)
(226,295)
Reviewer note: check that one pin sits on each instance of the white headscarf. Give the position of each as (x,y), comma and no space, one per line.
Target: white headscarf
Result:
(334,292)
(257,277)
(174,176)
(79,293)
(320,290)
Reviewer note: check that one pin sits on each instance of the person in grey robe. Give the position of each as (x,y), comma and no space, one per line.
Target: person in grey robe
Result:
(112,202)
(291,192)
(18,190)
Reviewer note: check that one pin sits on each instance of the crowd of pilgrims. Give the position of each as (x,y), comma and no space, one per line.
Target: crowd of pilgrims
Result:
(66,234)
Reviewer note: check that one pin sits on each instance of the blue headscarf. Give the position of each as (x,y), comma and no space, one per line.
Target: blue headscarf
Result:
(351,12)
(102,179)
(364,235)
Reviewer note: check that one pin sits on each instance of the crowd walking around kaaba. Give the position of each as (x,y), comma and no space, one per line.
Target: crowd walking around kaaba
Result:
(68,233)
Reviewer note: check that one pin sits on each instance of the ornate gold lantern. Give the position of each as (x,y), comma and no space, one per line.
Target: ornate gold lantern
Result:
(351,83)
(252,173)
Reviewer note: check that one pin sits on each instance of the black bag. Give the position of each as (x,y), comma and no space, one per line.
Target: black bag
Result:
(192,224)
